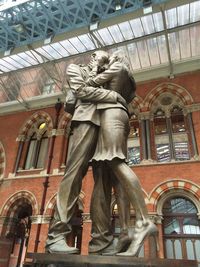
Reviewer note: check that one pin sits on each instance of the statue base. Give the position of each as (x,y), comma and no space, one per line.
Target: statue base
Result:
(64,260)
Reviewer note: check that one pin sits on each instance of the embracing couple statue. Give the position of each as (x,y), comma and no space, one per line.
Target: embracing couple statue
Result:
(100,128)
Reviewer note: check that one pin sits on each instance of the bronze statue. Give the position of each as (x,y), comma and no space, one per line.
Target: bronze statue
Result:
(85,128)
(100,131)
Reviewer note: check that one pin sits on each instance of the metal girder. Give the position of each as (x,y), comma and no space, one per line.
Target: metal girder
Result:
(44,18)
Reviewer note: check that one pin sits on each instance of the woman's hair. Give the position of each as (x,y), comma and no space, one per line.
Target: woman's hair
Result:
(121,57)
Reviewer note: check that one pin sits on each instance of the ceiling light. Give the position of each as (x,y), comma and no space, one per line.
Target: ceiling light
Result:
(147,6)
(7,52)
(94,26)
(147,10)
(48,40)
(118,7)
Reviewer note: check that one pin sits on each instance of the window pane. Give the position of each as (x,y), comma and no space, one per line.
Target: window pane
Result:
(163,152)
(191,226)
(31,154)
(169,249)
(178,249)
(197,249)
(134,128)
(178,123)
(190,250)
(171,226)
(181,151)
(133,155)
(42,153)
(179,205)
(160,123)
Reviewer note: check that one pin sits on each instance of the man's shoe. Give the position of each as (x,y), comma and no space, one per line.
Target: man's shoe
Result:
(61,247)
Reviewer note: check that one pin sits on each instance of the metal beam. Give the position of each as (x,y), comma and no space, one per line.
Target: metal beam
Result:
(43,17)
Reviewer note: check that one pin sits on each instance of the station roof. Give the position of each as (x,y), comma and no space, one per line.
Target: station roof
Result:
(159,37)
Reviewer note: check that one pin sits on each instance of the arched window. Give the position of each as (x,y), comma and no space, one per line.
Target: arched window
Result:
(37,148)
(134,142)
(171,138)
(181,229)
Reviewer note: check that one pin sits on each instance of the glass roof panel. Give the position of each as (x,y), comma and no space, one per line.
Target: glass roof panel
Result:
(106,36)
(153,51)
(183,14)
(126,30)
(43,52)
(69,47)
(78,44)
(194,11)
(137,28)
(134,57)
(87,41)
(148,25)
(6,65)
(3,67)
(162,48)
(61,50)
(185,47)
(98,36)
(51,51)
(20,60)
(174,46)
(13,63)
(35,55)
(195,40)
(143,54)
(158,22)
(171,18)
(116,33)
(28,57)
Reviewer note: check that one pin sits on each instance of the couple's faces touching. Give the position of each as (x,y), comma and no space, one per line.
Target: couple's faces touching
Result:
(100,58)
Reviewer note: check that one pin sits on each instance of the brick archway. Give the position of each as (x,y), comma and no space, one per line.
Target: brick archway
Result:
(38,116)
(136,105)
(64,121)
(2,160)
(174,187)
(172,88)
(21,197)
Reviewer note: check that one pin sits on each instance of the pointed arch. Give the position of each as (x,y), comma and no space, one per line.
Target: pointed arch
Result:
(166,87)
(136,105)
(175,186)
(20,197)
(64,121)
(37,117)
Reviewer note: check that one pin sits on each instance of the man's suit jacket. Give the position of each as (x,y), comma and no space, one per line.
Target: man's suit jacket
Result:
(87,97)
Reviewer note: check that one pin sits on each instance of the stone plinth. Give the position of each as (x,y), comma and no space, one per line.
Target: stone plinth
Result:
(61,260)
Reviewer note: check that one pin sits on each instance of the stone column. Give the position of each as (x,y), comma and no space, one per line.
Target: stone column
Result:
(169,130)
(192,133)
